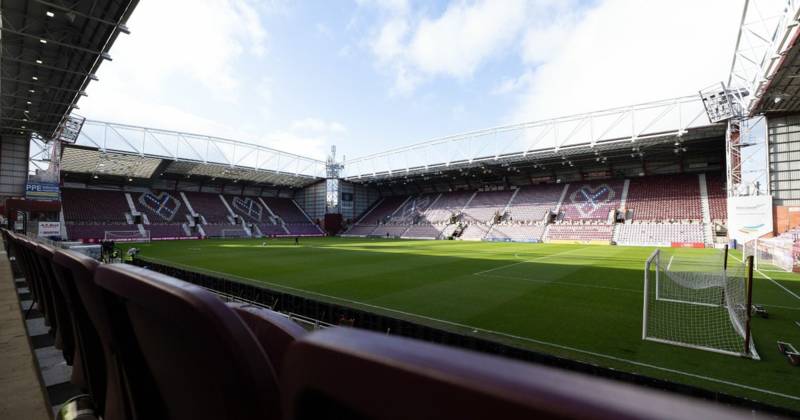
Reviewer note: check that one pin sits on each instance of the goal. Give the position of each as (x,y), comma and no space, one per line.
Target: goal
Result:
(233,233)
(777,254)
(127,236)
(698,302)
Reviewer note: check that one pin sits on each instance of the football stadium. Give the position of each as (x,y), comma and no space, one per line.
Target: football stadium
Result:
(629,262)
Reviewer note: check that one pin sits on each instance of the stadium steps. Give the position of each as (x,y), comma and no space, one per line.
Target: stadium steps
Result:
(625,187)
(227,206)
(560,201)
(705,208)
(188,204)
(366,213)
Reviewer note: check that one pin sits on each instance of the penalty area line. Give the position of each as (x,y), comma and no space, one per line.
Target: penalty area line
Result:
(501,334)
(773,281)
(478,273)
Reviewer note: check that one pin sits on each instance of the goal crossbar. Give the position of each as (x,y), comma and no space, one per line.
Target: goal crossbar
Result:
(126,236)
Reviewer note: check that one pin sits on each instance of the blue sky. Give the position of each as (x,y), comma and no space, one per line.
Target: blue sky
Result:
(370,75)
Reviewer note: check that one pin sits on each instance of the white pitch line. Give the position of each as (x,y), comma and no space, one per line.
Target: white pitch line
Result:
(516,337)
(478,273)
(670,262)
(512,336)
(773,281)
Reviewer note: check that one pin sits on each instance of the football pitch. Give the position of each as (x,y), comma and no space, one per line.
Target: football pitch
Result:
(582,302)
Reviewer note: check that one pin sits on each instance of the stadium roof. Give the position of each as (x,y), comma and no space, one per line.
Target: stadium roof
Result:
(683,119)
(111,150)
(108,150)
(51,50)
(766,60)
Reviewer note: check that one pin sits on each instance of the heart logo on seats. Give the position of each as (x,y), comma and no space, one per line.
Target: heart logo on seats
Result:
(588,200)
(163,204)
(248,206)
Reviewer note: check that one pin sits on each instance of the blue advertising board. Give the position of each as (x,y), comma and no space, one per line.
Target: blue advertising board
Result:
(43,191)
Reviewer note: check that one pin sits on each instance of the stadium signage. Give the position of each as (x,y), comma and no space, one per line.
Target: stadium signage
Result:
(47,229)
(42,191)
(749,217)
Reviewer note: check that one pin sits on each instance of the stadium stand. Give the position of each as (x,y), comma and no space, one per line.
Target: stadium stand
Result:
(88,214)
(166,213)
(161,207)
(717,198)
(665,198)
(659,233)
(475,231)
(382,211)
(486,205)
(94,206)
(532,203)
(446,206)
(516,232)
(414,208)
(571,232)
(424,231)
(140,336)
(360,230)
(217,217)
(591,200)
(390,230)
(210,207)
(296,222)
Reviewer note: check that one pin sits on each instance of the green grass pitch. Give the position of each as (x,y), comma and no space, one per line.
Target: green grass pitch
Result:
(582,302)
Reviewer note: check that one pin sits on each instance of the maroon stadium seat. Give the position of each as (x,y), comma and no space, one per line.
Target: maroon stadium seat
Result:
(273,331)
(34,276)
(95,369)
(64,335)
(348,373)
(205,362)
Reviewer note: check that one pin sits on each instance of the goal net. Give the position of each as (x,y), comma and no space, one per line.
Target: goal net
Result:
(127,236)
(233,233)
(696,302)
(771,254)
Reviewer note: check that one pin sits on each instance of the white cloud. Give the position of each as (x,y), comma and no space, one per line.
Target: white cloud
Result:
(317,125)
(623,52)
(512,85)
(192,41)
(466,35)
(292,142)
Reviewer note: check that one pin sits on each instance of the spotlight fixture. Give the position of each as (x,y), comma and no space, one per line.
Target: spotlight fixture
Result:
(50,14)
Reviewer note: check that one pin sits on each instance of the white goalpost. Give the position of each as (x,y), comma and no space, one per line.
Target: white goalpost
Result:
(233,233)
(127,236)
(698,302)
(771,254)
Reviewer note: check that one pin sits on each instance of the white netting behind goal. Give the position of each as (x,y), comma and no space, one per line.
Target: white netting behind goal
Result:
(694,302)
(127,236)
(771,254)
(233,233)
